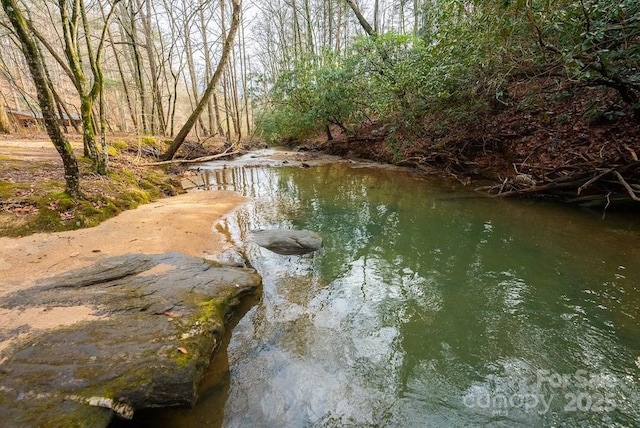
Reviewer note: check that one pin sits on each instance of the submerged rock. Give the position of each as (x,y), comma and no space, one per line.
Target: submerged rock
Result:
(164,317)
(288,242)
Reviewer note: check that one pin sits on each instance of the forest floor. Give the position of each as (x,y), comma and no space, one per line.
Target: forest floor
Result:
(32,197)
(577,145)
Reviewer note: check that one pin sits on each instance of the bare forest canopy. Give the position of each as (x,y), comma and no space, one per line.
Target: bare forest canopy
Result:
(295,68)
(156,61)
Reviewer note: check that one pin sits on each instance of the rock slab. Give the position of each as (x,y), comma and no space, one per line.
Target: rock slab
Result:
(288,242)
(163,319)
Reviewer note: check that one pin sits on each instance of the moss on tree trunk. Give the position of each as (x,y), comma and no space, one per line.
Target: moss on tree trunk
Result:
(37,66)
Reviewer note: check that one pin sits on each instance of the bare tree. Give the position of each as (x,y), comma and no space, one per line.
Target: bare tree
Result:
(128,19)
(157,109)
(123,79)
(207,63)
(75,28)
(226,50)
(245,72)
(174,60)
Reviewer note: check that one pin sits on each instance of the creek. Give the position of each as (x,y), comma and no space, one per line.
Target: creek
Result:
(428,306)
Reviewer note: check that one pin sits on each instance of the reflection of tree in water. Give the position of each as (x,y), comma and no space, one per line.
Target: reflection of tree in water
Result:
(418,297)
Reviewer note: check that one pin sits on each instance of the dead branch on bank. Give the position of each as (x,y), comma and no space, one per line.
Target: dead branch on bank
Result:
(581,180)
(626,185)
(196,160)
(588,182)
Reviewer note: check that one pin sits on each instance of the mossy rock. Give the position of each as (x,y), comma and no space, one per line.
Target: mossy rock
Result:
(151,349)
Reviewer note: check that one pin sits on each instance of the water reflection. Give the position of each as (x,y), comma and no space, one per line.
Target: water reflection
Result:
(430,307)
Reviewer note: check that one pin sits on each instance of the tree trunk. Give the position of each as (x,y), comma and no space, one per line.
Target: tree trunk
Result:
(216,107)
(216,103)
(297,36)
(226,50)
(156,98)
(190,65)
(376,16)
(307,15)
(125,86)
(132,32)
(416,17)
(225,96)
(341,33)
(5,126)
(97,90)
(361,19)
(37,66)
(69,25)
(101,161)
(172,83)
(245,73)
(402,18)
(207,65)
(237,120)
(329,136)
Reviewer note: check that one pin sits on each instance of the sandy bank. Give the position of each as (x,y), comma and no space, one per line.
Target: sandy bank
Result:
(182,224)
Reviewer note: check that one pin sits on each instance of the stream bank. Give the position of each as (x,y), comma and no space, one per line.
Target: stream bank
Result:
(573,145)
(122,316)
(159,319)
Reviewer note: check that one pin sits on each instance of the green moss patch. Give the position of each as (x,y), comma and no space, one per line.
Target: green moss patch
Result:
(32,197)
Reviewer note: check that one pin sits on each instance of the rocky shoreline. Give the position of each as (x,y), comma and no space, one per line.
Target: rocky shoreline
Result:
(134,311)
(162,318)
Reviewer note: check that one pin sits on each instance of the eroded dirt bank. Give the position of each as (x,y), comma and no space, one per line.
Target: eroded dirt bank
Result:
(575,146)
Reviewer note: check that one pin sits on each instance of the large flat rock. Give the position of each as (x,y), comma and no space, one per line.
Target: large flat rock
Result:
(163,317)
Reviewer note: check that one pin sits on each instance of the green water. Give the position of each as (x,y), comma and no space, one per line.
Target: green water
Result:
(428,306)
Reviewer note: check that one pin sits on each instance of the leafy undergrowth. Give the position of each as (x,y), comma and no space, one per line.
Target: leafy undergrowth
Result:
(32,197)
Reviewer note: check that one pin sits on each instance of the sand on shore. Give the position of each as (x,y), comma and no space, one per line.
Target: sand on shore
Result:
(183,224)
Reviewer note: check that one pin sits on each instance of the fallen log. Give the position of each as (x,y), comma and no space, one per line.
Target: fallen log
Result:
(540,189)
(579,181)
(196,160)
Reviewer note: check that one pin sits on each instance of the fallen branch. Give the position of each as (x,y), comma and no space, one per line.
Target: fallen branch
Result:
(626,185)
(593,180)
(604,212)
(504,183)
(539,189)
(197,160)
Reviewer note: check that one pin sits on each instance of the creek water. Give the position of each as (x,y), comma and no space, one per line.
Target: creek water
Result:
(427,306)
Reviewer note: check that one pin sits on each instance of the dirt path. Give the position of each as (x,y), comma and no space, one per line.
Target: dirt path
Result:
(183,224)
(33,150)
